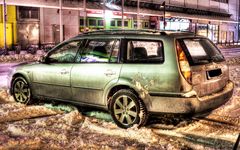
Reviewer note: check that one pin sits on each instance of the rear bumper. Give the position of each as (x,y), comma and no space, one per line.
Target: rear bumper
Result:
(185,105)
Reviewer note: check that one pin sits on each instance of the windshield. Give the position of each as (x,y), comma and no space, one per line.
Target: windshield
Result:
(201,51)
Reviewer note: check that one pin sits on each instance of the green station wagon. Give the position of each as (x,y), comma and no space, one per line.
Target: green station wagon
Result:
(130,73)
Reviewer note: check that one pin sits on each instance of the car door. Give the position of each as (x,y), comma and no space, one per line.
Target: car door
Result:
(52,78)
(148,67)
(97,68)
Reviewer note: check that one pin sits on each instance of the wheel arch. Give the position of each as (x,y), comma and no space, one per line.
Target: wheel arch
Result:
(118,87)
(18,74)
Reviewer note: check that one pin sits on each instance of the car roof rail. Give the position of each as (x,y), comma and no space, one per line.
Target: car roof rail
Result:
(114,31)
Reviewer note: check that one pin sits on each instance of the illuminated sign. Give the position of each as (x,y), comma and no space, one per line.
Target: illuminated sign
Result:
(113,6)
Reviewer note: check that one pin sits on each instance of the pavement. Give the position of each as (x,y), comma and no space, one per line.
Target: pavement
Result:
(4,72)
(233,52)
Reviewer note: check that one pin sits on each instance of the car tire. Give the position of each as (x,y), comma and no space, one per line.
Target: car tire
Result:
(127,109)
(21,90)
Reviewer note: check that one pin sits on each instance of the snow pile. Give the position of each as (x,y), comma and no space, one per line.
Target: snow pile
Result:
(62,126)
(20,57)
(143,135)
(5,97)
(25,112)
(233,60)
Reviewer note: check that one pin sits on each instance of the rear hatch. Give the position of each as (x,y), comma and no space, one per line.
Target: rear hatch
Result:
(208,66)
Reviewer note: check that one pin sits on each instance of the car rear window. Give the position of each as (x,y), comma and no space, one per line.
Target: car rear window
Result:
(201,51)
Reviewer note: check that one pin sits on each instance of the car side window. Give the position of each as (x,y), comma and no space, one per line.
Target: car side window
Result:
(104,50)
(65,53)
(145,51)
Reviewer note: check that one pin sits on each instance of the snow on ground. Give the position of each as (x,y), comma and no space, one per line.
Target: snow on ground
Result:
(38,127)
(42,126)
(21,57)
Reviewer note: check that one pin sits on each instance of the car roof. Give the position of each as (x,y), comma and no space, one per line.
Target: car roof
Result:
(147,33)
(138,32)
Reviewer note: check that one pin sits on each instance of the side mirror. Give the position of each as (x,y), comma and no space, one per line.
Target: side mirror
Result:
(42,59)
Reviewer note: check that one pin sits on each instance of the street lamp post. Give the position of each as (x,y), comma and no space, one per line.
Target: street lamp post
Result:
(163,5)
(4,25)
(122,14)
(104,14)
(61,21)
(84,15)
(138,17)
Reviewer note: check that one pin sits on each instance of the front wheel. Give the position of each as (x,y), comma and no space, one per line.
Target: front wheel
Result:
(21,90)
(127,109)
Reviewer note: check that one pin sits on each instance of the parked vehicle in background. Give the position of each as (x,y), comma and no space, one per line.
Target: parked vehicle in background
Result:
(130,73)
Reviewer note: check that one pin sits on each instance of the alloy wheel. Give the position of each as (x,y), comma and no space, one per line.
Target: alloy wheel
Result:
(21,91)
(125,110)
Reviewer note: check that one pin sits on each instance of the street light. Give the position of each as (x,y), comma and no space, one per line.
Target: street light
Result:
(163,5)
(112,6)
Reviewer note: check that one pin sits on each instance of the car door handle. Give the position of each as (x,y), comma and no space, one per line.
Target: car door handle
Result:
(64,71)
(109,73)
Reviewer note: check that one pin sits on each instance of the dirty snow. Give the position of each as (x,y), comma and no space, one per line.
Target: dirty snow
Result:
(21,57)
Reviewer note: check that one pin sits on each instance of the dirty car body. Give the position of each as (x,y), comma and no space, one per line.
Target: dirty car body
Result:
(130,73)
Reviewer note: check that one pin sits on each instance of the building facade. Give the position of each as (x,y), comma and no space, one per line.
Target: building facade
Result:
(41,22)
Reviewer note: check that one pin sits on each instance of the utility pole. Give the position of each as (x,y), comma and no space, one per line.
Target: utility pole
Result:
(84,15)
(61,21)
(138,11)
(122,14)
(5,24)
(238,21)
(104,15)
(163,5)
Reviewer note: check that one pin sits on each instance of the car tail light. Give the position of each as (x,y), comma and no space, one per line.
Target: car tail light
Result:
(183,63)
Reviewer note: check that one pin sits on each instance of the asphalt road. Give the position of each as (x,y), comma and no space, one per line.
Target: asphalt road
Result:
(6,67)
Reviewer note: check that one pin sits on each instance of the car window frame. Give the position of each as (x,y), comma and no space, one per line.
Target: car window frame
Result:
(57,47)
(87,40)
(125,49)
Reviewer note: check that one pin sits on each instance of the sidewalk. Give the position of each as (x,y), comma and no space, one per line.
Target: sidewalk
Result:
(6,67)
(228,46)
